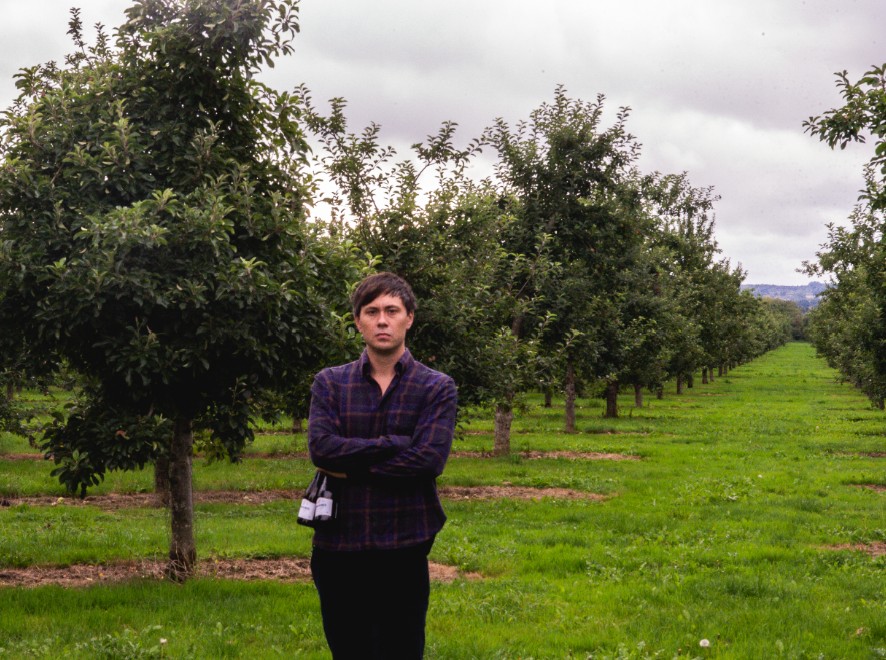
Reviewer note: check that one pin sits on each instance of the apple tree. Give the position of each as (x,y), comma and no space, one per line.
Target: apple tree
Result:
(850,326)
(153,234)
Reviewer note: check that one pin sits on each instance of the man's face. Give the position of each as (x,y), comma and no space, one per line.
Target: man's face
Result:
(383,324)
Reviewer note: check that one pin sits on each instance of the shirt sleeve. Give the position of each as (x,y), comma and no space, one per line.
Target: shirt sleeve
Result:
(332,451)
(431,441)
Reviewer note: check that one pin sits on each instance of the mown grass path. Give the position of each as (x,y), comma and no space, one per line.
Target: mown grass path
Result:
(752,526)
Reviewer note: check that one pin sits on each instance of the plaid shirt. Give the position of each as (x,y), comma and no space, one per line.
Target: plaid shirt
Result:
(392,447)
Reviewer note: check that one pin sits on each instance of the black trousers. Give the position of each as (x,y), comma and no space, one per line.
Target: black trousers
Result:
(374,603)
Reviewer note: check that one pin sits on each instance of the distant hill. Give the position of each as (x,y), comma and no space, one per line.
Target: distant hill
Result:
(805,296)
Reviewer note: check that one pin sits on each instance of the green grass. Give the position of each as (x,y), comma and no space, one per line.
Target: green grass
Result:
(723,531)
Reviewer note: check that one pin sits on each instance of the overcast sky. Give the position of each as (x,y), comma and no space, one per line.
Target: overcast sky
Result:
(717,88)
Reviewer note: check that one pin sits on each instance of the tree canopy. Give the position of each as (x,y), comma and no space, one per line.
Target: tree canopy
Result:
(849,326)
(152,200)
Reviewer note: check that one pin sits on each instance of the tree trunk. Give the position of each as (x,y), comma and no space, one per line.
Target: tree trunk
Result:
(638,395)
(549,397)
(517,326)
(182,549)
(690,381)
(704,376)
(161,480)
(10,390)
(612,399)
(298,425)
(720,371)
(569,388)
(504,415)
(659,392)
(679,384)
(711,374)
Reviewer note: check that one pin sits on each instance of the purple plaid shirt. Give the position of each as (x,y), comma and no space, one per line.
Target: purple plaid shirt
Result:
(391,447)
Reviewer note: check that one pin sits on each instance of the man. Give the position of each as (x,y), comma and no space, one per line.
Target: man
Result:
(381,427)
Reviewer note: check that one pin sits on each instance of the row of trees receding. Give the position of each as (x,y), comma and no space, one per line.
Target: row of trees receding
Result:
(568,270)
(849,326)
(155,239)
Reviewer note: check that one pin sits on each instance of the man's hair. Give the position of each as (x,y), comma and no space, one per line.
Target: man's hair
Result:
(382,284)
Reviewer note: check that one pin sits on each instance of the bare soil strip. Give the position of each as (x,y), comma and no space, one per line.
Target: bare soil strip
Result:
(584,432)
(529,455)
(875,549)
(283,569)
(134,500)
(515,493)
(572,455)
(254,454)
(113,501)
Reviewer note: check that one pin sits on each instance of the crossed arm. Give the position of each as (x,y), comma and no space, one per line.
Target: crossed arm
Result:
(421,454)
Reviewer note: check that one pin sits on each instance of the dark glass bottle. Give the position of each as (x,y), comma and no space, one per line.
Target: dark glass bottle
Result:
(326,508)
(308,508)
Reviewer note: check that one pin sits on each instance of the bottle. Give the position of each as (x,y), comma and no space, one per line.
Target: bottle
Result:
(326,508)
(308,508)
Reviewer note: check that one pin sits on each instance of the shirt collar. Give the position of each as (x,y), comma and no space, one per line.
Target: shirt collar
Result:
(401,367)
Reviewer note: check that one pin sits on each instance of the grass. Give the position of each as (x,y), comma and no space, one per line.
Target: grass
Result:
(724,531)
